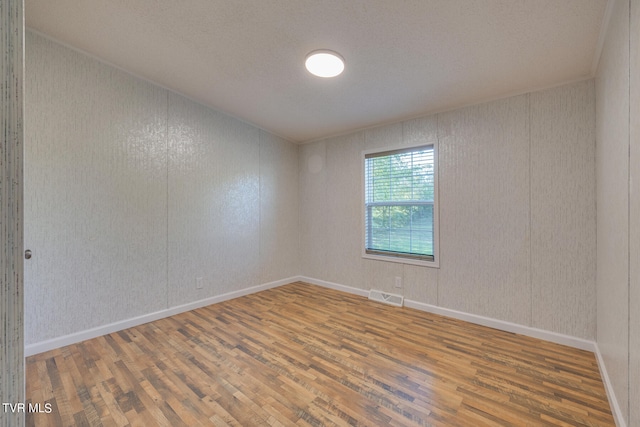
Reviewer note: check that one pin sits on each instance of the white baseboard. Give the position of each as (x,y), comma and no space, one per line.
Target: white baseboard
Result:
(335,286)
(542,334)
(503,325)
(615,407)
(76,337)
(557,338)
(575,342)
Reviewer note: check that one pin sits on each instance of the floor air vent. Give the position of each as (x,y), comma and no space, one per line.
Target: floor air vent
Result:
(386,298)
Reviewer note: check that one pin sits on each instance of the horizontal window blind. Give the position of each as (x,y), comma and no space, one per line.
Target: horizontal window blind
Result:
(399,202)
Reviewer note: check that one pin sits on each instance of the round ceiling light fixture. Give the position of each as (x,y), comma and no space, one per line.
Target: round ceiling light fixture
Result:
(324,63)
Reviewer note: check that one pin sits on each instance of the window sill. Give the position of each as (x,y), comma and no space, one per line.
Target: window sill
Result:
(401,260)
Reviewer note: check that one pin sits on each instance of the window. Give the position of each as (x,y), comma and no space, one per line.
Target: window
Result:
(401,215)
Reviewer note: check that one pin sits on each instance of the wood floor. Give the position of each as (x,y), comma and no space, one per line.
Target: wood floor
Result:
(308,356)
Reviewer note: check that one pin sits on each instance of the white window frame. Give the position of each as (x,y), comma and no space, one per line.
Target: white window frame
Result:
(435,263)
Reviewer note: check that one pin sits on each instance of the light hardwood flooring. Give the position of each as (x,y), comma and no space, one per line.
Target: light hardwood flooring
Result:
(308,356)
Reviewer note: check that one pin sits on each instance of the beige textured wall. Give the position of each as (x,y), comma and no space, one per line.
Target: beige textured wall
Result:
(134,192)
(95,193)
(612,177)
(517,210)
(634,217)
(563,218)
(11,208)
(484,209)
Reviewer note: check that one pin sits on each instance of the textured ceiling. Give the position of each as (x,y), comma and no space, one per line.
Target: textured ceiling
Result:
(403,58)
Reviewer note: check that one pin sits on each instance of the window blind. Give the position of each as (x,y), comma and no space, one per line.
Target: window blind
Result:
(399,202)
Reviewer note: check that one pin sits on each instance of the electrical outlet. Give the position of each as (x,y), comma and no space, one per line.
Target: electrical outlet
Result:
(398,282)
(198,282)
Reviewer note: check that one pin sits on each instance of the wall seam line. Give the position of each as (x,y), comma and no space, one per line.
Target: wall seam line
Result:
(260,260)
(595,202)
(629,223)
(531,322)
(438,207)
(166,139)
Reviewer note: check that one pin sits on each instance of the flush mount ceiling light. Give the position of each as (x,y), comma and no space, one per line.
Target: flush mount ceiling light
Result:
(324,63)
